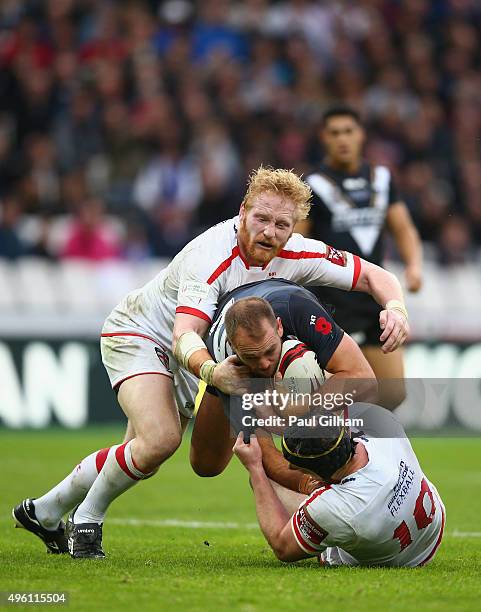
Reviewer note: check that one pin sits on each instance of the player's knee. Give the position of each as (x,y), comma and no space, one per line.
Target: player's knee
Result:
(205,466)
(154,450)
(392,396)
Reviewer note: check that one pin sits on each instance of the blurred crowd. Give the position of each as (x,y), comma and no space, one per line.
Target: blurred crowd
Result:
(127,127)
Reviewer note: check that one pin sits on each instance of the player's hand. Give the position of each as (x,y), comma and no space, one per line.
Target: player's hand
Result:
(230,376)
(309,484)
(395,329)
(250,455)
(414,278)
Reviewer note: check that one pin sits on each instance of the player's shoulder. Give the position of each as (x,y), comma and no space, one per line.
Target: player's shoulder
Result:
(321,169)
(380,172)
(298,243)
(327,505)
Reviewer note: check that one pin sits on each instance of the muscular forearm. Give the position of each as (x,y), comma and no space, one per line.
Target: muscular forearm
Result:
(271,514)
(382,285)
(277,468)
(197,359)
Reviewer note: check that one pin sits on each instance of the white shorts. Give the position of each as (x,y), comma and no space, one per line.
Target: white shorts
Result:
(126,354)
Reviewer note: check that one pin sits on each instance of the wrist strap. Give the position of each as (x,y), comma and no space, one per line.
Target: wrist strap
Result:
(188,343)
(207,371)
(397,305)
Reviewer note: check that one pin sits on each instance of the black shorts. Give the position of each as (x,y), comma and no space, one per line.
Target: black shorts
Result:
(366,334)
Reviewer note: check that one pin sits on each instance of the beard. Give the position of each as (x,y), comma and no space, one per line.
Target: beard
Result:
(256,255)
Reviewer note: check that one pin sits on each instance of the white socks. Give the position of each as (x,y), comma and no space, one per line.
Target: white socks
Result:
(50,508)
(118,474)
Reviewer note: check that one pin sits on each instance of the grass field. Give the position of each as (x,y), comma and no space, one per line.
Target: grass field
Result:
(158,562)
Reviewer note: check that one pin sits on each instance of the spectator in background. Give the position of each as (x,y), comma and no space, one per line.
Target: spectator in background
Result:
(91,91)
(455,245)
(169,189)
(90,235)
(11,246)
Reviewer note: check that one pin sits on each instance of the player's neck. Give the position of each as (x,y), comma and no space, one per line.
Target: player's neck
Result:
(358,461)
(351,167)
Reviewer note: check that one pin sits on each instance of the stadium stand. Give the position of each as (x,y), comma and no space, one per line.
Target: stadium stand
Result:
(155,112)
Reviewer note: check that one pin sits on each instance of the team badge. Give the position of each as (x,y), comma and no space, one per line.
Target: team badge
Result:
(163,357)
(336,256)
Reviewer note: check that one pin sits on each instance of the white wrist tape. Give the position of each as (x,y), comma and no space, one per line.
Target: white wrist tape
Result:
(188,343)
(397,305)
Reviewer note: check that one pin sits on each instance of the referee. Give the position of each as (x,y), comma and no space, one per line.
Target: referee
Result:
(354,203)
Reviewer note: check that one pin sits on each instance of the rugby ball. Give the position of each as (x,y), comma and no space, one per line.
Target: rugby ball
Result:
(298,368)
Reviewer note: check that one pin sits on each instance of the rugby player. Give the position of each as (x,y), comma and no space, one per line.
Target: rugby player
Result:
(375,508)
(252,321)
(354,202)
(153,350)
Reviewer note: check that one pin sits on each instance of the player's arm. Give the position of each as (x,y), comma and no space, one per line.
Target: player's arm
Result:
(277,468)
(336,352)
(386,290)
(406,237)
(190,350)
(196,303)
(273,518)
(343,270)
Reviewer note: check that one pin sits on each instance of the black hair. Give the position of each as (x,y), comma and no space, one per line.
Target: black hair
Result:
(340,110)
(323,454)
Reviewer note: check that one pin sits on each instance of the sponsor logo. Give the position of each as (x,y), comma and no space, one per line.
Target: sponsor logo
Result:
(311,532)
(353,184)
(336,257)
(163,357)
(194,289)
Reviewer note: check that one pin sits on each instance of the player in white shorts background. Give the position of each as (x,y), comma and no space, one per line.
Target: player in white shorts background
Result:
(153,350)
(376,506)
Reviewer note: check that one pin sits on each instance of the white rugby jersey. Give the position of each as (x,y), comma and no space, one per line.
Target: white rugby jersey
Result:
(211,265)
(386,513)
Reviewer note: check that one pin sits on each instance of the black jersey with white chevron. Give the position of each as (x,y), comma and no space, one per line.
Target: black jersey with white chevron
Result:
(349,212)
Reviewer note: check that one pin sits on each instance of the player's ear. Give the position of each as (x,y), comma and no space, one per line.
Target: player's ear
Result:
(362,135)
(242,211)
(280,328)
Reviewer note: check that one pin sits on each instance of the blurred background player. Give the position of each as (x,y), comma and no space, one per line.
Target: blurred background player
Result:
(376,507)
(354,202)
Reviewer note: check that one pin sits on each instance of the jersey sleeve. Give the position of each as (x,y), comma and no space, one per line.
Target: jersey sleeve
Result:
(307,532)
(321,264)
(314,326)
(199,288)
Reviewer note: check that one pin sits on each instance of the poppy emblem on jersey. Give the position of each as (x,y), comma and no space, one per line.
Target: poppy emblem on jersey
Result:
(323,326)
(162,355)
(335,256)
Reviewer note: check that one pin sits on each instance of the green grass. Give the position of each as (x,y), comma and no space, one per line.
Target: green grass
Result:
(161,568)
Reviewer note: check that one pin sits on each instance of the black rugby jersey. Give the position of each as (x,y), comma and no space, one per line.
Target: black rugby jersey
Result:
(302,317)
(349,212)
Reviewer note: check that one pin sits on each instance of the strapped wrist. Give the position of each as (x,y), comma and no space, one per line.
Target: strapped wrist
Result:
(207,371)
(397,305)
(187,344)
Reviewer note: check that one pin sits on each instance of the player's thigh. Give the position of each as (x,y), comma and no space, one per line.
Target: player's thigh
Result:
(212,441)
(389,371)
(148,402)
